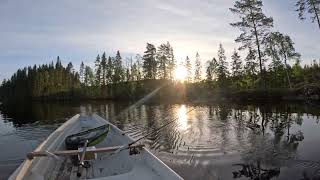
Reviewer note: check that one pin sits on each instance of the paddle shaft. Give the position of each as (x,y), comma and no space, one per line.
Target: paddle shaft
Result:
(76,152)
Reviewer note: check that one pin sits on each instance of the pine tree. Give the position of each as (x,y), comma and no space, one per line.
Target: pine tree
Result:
(310,6)
(149,62)
(98,71)
(254,26)
(81,72)
(279,47)
(198,69)
(188,69)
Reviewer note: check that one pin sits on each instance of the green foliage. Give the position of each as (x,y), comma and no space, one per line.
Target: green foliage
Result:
(43,81)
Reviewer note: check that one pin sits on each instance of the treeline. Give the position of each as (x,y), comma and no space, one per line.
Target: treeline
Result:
(41,81)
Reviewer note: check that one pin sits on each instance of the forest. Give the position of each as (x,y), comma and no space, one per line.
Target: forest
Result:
(269,69)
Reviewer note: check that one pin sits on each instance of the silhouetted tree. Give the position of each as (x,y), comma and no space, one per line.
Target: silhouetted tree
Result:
(198,69)
(110,70)
(254,25)
(149,62)
(236,68)
(88,76)
(103,66)
(188,69)
(222,64)
(98,71)
(310,6)
(81,72)
(118,70)
(279,47)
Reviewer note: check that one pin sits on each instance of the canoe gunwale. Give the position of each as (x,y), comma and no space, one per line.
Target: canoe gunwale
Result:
(21,172)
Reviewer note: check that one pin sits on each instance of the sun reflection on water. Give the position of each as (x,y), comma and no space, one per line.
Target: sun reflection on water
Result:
(182,117)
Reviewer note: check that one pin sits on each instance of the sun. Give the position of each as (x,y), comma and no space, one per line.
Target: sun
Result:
(180,73)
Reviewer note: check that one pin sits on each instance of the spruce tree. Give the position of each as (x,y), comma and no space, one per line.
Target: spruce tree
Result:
(236,68)
(97,64)
(81,72)
(103,66)
(251,63)
(69,68)
(198,69)
(138,62)
(171,61)
(88,76)
(210,70)
(118,69)
(188,67)
(236,65)
(222,64)
(149,62)
(109,71)
(163,61)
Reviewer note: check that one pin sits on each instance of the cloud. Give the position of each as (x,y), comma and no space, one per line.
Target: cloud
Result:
(80,29)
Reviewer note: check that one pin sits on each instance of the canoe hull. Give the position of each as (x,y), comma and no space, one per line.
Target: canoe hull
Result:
(120,166)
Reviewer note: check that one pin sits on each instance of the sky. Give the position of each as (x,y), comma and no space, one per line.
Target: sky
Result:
(37,31)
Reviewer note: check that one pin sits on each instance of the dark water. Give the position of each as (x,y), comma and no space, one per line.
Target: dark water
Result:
(215,141)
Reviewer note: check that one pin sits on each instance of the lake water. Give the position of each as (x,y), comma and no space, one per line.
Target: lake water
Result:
(213,141)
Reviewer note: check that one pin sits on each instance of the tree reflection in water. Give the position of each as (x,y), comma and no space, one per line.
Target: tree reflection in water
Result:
(255,172)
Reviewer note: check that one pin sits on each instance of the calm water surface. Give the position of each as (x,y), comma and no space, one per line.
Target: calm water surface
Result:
(215,141)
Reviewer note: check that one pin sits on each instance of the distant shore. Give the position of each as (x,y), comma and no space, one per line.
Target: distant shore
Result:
(181,93)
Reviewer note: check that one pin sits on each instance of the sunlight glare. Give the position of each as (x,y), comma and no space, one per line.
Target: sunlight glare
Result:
(180,73)
(182,117)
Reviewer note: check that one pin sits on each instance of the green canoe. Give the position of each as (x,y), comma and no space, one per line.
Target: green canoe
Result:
(94,137)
